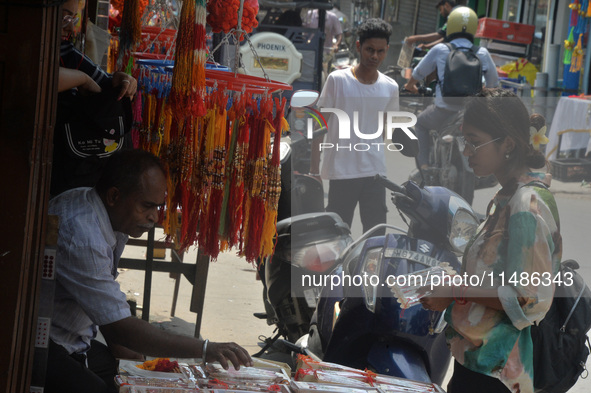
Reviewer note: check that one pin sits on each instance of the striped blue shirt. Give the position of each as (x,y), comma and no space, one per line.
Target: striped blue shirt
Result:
(72,58)
(86,294)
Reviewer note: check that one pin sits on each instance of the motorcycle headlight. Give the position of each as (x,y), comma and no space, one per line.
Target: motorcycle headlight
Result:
(370,272)
(284,150)
(463,227)
(320,257)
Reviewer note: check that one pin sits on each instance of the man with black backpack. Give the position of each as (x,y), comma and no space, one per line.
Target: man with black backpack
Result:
(460,66)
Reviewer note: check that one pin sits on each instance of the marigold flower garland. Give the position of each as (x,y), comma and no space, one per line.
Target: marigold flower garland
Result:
(223,15)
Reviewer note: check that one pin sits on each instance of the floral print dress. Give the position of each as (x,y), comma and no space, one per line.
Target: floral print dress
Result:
(519,240)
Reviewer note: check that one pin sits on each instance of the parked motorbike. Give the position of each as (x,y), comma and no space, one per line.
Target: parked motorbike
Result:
(342,58)
(361,324)
(308,240)
(448,167)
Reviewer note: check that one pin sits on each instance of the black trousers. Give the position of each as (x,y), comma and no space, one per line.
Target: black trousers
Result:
(343,196)
(69,374)
(468,381)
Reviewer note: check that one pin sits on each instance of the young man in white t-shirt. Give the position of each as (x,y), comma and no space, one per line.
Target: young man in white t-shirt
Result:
(351,161)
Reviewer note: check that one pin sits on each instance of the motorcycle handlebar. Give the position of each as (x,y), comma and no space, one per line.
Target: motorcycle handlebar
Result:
(422,90)
(381,179)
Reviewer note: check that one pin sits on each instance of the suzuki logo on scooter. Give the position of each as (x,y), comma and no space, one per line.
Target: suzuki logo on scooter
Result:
(424,248)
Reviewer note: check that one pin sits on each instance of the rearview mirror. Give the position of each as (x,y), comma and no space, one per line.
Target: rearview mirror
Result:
(410,147)
(303,98)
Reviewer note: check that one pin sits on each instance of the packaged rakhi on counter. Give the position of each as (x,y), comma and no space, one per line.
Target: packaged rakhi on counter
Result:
(314,387)
(246,374)
(318,374)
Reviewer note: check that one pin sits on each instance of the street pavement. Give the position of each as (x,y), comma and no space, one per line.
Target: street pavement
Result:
(233,294)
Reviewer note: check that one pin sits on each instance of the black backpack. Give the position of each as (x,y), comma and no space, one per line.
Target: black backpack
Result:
(462,76)
(560,340)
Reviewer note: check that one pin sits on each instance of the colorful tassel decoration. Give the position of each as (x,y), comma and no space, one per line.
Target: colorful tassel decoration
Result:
(273,184)
(574,12)
(188,79)
(223,177)
(577,56)
(131,31)
(257,179)
(569,44)
(234,217)
(213,176)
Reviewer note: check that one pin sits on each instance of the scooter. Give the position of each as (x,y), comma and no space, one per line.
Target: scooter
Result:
(342,58)
(307,243)
(360,323)
(448,167)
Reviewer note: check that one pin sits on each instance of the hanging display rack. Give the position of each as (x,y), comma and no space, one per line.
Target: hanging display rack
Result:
(214,138)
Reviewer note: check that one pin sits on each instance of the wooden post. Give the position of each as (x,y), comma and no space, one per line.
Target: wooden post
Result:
(29,47)
(148,276)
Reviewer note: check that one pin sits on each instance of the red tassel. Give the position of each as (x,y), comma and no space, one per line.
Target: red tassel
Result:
(255,229)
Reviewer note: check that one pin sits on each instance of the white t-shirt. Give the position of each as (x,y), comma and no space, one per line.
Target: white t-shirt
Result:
(356,157)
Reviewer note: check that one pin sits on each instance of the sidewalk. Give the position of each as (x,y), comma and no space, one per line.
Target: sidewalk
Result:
(232,295)
(575,189)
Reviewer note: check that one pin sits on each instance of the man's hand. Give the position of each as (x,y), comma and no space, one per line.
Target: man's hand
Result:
(127,83)
(224,352)
(142,337)
(89,86)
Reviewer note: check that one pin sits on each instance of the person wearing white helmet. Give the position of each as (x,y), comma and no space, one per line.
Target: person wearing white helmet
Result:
(461,27)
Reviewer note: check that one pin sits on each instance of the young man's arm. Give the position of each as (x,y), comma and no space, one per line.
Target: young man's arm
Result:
(424,38)
(431,44)
(326,100)
(425,68)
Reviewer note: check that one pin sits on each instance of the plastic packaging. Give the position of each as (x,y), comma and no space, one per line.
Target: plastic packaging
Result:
(410,288)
